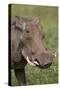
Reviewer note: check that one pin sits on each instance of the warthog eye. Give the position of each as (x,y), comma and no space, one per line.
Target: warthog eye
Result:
(43,36)
(29,38)
(46,48)
(33,52)
(27,31)
(19,29)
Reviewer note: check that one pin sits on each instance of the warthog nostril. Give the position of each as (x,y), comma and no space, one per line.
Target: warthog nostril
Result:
(47,64)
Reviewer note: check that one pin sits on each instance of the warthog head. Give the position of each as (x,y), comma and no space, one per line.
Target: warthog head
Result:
(31,44)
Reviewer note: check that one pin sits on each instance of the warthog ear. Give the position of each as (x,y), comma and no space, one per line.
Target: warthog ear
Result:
(20,24)
(37,20)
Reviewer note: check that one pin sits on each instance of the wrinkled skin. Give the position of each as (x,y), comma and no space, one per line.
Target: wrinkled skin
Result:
(27,46)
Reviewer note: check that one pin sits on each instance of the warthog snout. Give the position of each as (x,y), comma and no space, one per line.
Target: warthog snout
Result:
(44,60)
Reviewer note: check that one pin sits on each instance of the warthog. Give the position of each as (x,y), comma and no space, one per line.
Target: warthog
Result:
(27,47)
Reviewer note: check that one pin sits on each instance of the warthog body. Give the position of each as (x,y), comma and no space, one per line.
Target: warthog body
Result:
(27,47)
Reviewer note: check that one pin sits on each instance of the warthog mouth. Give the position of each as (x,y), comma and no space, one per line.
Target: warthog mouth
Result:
(45,66)
(35,62)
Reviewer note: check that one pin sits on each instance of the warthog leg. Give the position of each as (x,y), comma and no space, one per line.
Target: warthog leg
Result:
(20,76)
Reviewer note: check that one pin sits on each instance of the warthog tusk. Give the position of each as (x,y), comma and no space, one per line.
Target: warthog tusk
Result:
(24,26)
(26,57)
(29,61)
(55,54)
(36,63)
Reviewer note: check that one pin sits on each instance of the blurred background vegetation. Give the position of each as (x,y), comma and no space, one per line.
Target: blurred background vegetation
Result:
(49,22)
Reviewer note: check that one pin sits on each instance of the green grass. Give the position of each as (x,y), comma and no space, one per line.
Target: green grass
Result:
(49,22)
